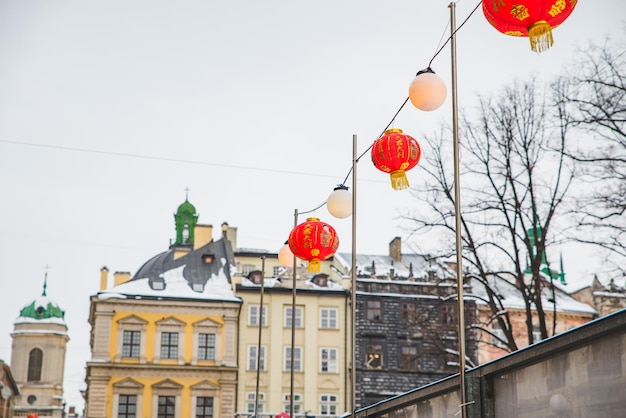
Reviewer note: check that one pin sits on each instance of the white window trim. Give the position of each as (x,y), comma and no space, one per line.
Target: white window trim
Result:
(299,314)
(250,307)
(335,362)
(297,349)
(328,319)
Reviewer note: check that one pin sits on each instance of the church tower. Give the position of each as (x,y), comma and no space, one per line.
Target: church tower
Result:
(186,219)
(38,357)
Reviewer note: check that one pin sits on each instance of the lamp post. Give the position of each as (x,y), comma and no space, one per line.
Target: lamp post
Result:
(258,351)
(340,206)
(457,212)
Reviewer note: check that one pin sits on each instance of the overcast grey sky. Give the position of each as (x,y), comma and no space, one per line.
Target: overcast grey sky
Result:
(110,109)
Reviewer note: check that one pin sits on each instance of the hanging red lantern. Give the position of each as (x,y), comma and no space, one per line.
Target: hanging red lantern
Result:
(313,241)
(532,18)
(395,153)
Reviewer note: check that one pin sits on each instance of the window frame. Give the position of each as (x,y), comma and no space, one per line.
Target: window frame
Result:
(35,365)
(332,366)
(299,317)
(329,322)
(131,344)
(371,350)
(252,359)
(371,308)
(297,361)
(328,404)
(253,318)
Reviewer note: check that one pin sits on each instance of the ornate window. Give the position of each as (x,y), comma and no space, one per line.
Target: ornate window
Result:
(206,347)
(35,362)
(131,339)
(127,398)
(127,406)
(166,399)
(204,407)
(170,345)
(207,341)
(131,343)
(166,407)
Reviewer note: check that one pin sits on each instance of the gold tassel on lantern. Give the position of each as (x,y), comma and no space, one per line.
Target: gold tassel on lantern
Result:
(399,180)
(314,266)
(540,35)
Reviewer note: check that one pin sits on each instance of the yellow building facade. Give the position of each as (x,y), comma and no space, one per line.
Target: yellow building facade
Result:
(321,343)
(164,341)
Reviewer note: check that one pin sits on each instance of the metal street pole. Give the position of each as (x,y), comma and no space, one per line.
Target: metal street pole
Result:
(353,278)
(258,350)
(457,212)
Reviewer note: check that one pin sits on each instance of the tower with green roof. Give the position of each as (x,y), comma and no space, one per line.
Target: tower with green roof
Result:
(186,219)
(39,343)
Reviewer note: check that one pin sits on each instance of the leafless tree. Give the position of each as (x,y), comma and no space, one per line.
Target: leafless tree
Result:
(514,178)
(593,92)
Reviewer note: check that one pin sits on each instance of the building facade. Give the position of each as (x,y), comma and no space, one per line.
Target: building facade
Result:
(605,299)
(39,343)
(164,342)
(320,345)
(406,325)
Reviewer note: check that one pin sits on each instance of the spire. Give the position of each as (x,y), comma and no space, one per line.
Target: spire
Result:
(45,281)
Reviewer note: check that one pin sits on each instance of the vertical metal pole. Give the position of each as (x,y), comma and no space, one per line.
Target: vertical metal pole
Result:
(293,322)
(353,277)
(258,350)
(457,213)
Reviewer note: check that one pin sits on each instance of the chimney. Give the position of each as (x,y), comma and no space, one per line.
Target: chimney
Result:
(230,233)
(120,277)
(203,234)
(395,249)
(104,277)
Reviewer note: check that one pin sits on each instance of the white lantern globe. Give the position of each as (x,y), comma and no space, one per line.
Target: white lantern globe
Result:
(339,202)
(285,256)
(427,90)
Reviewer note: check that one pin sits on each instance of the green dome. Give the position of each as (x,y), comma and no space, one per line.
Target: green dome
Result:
(42,308)
(186,208)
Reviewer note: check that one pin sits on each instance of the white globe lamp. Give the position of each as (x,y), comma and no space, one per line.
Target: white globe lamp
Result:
(427,90)
(339,203)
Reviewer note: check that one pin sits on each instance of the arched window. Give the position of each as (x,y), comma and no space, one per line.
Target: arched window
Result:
(35,360)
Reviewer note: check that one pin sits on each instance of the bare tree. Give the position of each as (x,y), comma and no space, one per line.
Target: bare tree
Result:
(514,180)
(593,91)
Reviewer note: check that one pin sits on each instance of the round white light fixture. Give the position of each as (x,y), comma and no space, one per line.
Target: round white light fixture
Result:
(427,90)
(285,256)
(339,203)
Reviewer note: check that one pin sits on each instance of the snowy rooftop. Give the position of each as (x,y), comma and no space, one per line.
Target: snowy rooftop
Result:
(176,286)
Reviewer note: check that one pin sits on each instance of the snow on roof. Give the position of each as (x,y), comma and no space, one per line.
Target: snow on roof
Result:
(418,265)
(512,297)
(217,287)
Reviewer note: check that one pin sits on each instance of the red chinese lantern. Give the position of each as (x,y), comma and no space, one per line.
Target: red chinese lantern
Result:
(395,153)
(313,241)
(33,415)
(532,18)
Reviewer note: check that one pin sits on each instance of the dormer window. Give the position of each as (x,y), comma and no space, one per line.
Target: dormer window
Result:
(321,280)
(207,258)
(158,284)
(197,287)
(255,277)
